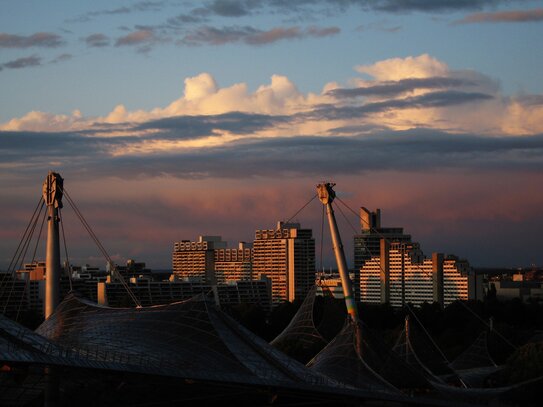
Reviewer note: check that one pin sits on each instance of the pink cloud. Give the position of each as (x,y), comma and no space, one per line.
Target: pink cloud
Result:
(274,35)
(516,16)
(40,39)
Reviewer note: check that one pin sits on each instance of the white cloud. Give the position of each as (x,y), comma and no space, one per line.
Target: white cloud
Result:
(200,86)
(204,96)
(41,121)
(492,114)
(395,69)
(523,118)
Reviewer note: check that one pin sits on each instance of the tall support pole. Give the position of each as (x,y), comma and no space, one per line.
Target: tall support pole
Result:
(52,195)
(327,195)
(407,339)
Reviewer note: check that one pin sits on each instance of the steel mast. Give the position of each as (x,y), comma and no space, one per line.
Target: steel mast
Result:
(52,195)
(327,195)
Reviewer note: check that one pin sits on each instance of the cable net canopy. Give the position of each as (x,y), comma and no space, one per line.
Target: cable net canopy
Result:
(373,368)
(476,356)
(302,336)
(467,383)
(301,328)
(377,369)
(190,339)
(475,364)
(339,360)
(20,344)
(418,351)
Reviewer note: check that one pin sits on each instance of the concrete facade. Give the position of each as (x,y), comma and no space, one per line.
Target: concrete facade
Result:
(234,264)
(401,274)
(285,255)
(196,260)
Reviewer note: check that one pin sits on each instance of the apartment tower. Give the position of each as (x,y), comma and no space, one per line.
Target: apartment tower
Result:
(367,243)
(285,255)
(196,260)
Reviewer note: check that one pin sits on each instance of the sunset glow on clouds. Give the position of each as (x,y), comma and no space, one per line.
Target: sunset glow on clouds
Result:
(248,120)
(401,93)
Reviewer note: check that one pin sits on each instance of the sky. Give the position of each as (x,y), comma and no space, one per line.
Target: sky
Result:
(174,119)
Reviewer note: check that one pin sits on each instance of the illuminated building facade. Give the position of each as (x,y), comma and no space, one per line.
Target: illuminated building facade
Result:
(234,264)
(401,274)
(196,260)
(286,255)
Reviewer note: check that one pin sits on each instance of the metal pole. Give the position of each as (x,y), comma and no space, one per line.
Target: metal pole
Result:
(52,264)
(327,195)
(407,337)
(52,195)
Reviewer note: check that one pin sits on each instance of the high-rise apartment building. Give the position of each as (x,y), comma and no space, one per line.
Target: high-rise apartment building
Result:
(234,264)
(196,260)
(400,274)
(367,243)
(286,255)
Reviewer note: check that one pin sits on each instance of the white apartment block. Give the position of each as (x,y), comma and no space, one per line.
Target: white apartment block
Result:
(401,274)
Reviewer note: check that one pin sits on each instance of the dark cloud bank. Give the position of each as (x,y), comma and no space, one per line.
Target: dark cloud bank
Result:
(416,150)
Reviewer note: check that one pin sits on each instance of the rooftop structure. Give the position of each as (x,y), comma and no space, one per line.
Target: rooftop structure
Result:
(367,242)
(509,289)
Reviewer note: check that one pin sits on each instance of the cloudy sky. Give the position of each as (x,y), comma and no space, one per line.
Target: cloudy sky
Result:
(174,119)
